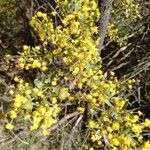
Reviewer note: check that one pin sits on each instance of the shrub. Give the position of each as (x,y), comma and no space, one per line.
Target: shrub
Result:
(69,70)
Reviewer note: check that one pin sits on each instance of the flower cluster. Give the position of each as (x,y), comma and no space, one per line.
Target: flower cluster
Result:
(41,111)
(117,128)
(27,61)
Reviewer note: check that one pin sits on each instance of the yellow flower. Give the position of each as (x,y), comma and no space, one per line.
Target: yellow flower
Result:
(115,141)
(109,129)
(94,30)
(116,126)
(95,77)
(96,137)
(45,132)
(49,112)
(63,94)
(34,126)
(56,109)
(75,71)
(54,100)
(140,113)
(146,146)
(120,103)
(89,97)
(104,131)
(54,83)
(36,64)
(21,81)
(127,140)
(42,110)
(9,126)
(16,79)
(110,136)
(28,92)
(17,104)
(147,123)
(44,68)
(99,143)
(80,85)
(39,14)
(11,92)
(13,114)
(37,119)
(130,86)
(28,105)
(137,129)
(25,47)
(81,109)
(37,48)
(54,13)
(40,94)
(135,119)
(49,121)
(27,117)
(35,90)
(112,73)
(93,124)
(21,60)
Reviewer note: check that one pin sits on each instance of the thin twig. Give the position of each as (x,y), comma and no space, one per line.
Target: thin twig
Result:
(74,130)
(55,11)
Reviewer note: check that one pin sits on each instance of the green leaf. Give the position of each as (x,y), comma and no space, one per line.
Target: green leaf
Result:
(38,83)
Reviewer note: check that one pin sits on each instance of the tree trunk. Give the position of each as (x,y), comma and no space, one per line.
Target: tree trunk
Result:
(105,7)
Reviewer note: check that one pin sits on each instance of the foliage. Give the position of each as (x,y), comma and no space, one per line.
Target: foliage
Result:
(65,75)
(124,17)
(14,26)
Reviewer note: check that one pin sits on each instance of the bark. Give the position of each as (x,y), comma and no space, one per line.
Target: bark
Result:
(105,7)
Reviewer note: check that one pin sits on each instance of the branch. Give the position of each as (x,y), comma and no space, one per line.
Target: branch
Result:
(16,136)
(105,11)
(74,130)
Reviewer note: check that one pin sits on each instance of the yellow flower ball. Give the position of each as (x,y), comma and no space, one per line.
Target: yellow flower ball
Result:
(9,126)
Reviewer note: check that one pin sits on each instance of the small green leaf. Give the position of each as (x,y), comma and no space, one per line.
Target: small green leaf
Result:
(38,83)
